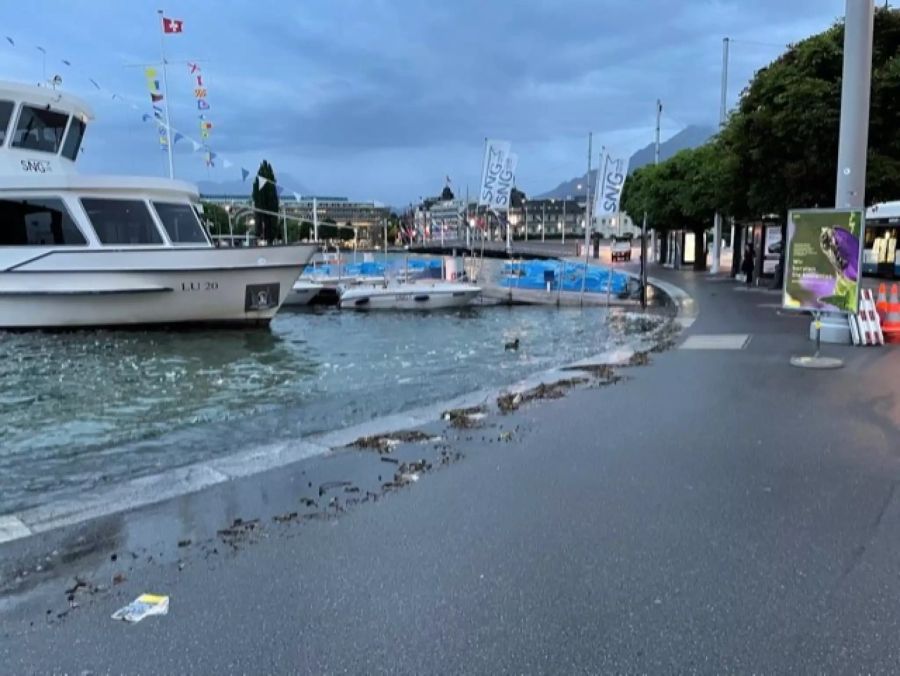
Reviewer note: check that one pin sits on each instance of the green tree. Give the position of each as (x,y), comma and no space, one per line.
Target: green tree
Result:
(780,146)
(265,197)
(683,192)
(299,230)
(215,217)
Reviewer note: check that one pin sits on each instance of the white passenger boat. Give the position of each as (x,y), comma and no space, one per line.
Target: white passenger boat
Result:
(79,250)
(411,296)
(302,293)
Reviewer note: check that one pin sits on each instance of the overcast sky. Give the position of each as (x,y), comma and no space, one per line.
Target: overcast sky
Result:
(381,99)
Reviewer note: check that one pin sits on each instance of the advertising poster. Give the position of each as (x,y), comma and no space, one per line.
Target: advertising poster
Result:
(823,260)
(772,251)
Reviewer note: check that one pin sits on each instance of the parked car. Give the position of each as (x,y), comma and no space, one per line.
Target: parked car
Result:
(621,249)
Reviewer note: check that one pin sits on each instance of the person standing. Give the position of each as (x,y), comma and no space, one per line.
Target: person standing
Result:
(747,265)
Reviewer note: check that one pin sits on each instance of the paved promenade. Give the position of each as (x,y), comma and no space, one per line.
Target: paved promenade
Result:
(715,511)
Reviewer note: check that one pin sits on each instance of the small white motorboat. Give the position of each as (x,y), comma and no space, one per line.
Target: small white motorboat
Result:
(411,296)
(302,293)
(80,251)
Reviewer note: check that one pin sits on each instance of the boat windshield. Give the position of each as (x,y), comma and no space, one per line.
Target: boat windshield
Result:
(6,108)
(180,222)
(121,221)
(73,139)
(40,129)
(37,222)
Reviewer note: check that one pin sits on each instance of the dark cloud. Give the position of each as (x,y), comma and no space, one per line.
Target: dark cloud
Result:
(381,98)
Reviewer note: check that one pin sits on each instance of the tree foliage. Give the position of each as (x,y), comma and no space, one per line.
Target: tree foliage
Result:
(266,198)
(216,217)
(778,149)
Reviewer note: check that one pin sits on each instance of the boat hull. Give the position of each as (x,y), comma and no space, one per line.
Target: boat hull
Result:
(214,286)
(412,297)
(302,293)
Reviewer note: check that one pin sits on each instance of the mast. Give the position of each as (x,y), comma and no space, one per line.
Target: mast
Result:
(162,53)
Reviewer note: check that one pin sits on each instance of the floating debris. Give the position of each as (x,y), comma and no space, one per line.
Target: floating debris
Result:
(328,485)
(464,418)
(508,402)
(638,359)
(383,443)
(602,372)
(238,529)
(284,518)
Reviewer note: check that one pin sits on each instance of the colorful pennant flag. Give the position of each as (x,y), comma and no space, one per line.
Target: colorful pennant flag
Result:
(156,96)
(200,94)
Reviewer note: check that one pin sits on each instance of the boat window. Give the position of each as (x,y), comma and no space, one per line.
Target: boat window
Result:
(180,222)
(37,222)
(121,221)
(39,129)
(6,109)
(73,139)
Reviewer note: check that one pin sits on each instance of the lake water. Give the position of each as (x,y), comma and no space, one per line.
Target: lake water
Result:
(86,408)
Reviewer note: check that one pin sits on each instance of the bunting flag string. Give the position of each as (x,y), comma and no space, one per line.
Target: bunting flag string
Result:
(200,94)
(158,117)
(156,96)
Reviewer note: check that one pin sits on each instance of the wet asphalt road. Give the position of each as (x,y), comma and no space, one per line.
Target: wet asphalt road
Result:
(718,511)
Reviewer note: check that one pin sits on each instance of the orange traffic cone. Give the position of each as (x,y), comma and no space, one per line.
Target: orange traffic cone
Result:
(881,303)
(891,325)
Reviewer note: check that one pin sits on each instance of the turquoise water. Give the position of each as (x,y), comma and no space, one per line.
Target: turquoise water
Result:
(87,408)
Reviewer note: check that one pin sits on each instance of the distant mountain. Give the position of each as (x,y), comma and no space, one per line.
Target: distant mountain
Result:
(689,137)
(238,187)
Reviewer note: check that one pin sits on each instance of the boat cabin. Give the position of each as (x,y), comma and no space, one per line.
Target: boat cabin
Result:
(45,202)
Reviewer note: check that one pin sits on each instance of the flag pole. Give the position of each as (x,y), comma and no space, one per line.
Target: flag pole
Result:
(587,218)
(162,53)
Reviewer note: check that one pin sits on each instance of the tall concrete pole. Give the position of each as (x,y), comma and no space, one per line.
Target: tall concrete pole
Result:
(655,161)
(855,88)
(850,189)
(656,144)
(723,111)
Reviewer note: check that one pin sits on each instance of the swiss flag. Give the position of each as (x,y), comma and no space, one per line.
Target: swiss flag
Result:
(172,25)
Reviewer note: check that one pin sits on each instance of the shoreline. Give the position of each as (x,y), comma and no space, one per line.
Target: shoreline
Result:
(185,480)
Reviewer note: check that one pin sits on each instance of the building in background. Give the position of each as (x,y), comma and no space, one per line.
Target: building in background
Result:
(367,218)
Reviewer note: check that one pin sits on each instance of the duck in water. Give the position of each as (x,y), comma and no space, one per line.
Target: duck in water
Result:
(512,345)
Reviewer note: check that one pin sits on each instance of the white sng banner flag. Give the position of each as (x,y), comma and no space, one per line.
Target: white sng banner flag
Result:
(495,159)
(505,182)
(610,181)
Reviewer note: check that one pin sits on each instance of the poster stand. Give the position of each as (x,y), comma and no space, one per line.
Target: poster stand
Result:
(816,361)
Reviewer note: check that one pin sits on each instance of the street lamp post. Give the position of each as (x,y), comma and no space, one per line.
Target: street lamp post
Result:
(230,230)
(543,217)
(525,209)
(565,199)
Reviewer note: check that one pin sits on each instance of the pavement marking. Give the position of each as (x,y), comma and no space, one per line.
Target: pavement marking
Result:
(12,528)
(713,341)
